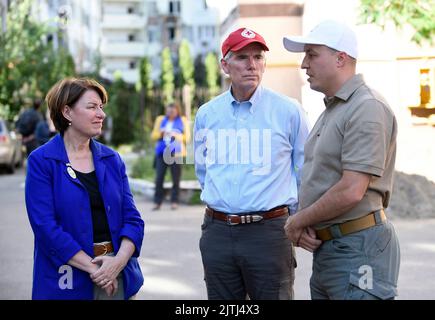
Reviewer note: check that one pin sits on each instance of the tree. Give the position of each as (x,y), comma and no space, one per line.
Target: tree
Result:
(212,74)
(122,108)
(200,76)
(167,77)
(144,86)
(29,65)
(418,14)
(185,62)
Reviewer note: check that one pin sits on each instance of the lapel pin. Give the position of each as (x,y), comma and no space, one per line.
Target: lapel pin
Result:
(70,170)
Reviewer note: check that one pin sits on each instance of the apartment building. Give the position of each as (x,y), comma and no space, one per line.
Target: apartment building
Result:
(77,28)
(170,21)
(123,38)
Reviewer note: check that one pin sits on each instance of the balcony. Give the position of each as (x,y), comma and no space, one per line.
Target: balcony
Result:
(130,76)
(123,49)
(123,21)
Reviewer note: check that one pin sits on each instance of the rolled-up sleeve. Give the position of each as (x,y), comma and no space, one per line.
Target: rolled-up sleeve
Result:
(133,225)
(57,245)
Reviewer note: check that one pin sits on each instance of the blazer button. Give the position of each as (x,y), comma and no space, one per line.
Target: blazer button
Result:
(108,208)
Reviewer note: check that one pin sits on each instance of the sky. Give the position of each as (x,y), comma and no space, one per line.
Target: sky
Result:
(224,6)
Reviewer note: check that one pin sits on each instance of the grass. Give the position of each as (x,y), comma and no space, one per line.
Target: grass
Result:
(143,169)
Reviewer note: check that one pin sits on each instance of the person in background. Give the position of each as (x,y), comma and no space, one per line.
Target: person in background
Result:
(171,133)
(26,125)
(88,232)
(42,132)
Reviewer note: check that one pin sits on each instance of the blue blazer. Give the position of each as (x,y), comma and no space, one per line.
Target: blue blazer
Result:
(59,211)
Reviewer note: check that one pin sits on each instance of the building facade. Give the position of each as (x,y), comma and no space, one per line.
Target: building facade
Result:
(271,19)
(78,28)
(171,21)
(123,38)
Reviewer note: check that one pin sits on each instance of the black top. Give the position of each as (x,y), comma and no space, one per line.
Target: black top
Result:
(99,218)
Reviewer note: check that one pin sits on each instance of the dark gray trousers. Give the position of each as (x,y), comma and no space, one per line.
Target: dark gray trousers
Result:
(251,260)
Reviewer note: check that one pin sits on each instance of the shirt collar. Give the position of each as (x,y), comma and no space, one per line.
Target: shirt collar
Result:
(253,101)
(348,88)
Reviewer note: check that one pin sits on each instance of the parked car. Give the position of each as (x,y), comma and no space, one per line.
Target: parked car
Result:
(11,149)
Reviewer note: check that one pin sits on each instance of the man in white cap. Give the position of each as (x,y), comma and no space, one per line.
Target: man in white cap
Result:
(248,151)
(347,175)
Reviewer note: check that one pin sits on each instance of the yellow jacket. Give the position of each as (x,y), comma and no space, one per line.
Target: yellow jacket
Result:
(183,138)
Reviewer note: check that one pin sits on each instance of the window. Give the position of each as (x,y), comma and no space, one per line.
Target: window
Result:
(152,8)
(130,10)
(171,32)
(174,7)
(132,65)
(131,38)
(152,35)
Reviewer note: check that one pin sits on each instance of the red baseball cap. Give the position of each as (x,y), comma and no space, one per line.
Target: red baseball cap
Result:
(240,38)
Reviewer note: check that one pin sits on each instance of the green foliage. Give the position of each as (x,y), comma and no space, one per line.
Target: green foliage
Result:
(143,169)
(196,198)
(123,108)
(212,74)
(186,65)
(145,80)
(200,76)
(29,65)
(419,14)
(144,87)
(167,77)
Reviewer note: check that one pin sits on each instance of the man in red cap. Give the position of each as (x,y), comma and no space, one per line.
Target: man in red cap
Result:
(248,152)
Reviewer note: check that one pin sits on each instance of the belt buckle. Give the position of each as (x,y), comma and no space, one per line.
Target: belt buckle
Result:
(106,249)
(229,222)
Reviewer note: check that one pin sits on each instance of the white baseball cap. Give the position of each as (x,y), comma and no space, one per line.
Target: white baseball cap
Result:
(333,34)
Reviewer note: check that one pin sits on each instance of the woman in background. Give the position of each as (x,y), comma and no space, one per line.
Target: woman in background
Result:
(171,133)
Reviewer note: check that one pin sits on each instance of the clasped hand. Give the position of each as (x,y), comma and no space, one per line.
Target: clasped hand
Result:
(107,273)
(301,237)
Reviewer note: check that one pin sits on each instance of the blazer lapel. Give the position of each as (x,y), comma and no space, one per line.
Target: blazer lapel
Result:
(100,167)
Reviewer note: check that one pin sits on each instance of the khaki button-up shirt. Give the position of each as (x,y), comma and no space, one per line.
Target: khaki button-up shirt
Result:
(356,132)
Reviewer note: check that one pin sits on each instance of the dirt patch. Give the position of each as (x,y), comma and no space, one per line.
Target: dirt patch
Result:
(413,197)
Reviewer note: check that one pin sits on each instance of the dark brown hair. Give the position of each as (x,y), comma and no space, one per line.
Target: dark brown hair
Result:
(67,92)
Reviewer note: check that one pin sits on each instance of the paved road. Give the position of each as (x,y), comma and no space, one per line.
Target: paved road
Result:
(170,256)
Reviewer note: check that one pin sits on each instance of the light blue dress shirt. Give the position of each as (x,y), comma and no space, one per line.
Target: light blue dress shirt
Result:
(248,155)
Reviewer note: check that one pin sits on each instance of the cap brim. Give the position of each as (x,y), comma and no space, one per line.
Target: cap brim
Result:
(297,43)
(243,44)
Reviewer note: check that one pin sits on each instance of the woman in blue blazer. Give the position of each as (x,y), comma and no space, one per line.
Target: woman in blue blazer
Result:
(88,232)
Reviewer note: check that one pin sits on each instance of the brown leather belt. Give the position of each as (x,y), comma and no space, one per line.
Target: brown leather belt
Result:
(235,219)
(351,226)
(100,249)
